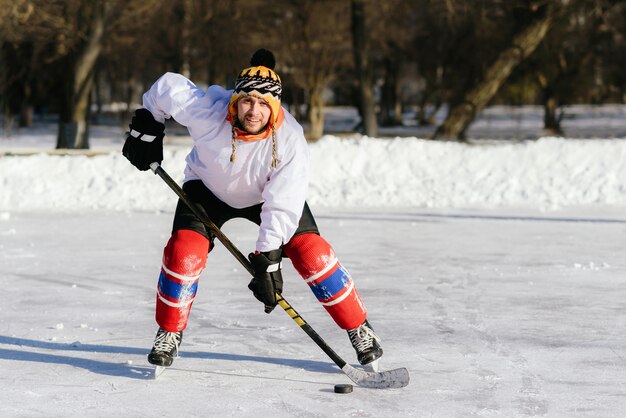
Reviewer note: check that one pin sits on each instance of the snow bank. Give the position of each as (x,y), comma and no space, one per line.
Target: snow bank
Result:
(549,173)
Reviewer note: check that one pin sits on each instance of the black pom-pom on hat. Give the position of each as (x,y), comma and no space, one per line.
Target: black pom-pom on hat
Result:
(263,57)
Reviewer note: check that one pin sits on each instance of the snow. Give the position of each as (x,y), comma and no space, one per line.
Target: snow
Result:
(493,271)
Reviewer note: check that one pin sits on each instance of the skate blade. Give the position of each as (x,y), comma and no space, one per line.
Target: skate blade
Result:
(157,371)
(372,367)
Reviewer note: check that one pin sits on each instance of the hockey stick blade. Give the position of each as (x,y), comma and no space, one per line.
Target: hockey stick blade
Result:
(388,379)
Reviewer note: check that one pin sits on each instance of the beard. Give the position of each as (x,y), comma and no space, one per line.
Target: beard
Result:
(248,127)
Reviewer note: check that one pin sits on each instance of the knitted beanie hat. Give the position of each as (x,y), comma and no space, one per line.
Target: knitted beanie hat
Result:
(261,81)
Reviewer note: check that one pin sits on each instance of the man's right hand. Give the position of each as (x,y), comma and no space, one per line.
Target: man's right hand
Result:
(267,280)
(144,140)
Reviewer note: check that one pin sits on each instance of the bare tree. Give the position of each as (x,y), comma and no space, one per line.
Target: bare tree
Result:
(563,64)
(87,26)
(220,38)
(390,27)
(611,53)
(475,99)
(24,37)
(317,47)
(363,69)
(73,125)
(133,51)
(451,43)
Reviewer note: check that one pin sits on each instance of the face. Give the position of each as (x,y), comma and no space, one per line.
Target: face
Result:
(253,114)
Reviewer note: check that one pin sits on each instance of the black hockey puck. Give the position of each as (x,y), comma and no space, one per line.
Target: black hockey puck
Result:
(343,388)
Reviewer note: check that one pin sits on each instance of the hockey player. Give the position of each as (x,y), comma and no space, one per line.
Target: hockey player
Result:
(249,160)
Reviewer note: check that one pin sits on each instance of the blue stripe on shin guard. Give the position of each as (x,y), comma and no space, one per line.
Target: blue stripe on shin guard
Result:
(332,285)
(175,290)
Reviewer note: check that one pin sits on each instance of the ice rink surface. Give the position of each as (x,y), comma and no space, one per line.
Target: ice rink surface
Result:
(494,312)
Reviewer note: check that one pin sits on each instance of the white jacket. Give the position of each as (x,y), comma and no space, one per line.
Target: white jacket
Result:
(250,179)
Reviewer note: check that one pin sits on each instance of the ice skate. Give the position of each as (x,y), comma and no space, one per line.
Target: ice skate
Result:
(165,348)
(366,345)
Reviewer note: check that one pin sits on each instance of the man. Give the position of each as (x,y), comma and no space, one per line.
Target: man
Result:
(250,160)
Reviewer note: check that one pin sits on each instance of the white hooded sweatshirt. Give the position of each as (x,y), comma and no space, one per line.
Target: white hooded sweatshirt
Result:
(250,179)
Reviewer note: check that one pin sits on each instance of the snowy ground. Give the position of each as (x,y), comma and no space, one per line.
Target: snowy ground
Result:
(494,272)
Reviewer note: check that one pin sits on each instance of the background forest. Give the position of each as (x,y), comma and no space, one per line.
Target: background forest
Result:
(84,62)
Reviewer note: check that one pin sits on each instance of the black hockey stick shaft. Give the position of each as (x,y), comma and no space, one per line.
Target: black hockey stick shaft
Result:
(204,219)
(245,263)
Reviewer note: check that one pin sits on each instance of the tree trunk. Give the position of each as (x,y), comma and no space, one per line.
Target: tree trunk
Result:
(66,133)
(131,95)
(390,106)
(73,126)
(551,122)
(296,103)
(550,100)
(523,44)
(19,63)
(26,107)
(26,101)
(186,38)
(316,113)
(363,70)
(420,116)
(82,112)
(9,118)
(97,97)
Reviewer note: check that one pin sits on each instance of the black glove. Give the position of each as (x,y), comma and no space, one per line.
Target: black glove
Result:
(144,141)
(267,280)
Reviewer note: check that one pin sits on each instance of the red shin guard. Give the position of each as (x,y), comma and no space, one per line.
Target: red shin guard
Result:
(184,258)
(317,263)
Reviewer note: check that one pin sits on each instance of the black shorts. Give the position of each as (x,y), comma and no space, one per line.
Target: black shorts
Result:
(219,212)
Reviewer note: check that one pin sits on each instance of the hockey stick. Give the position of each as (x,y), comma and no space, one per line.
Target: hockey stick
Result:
(396,378)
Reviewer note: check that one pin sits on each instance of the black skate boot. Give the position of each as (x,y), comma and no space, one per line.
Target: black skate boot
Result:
(165,348)
(366,343)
